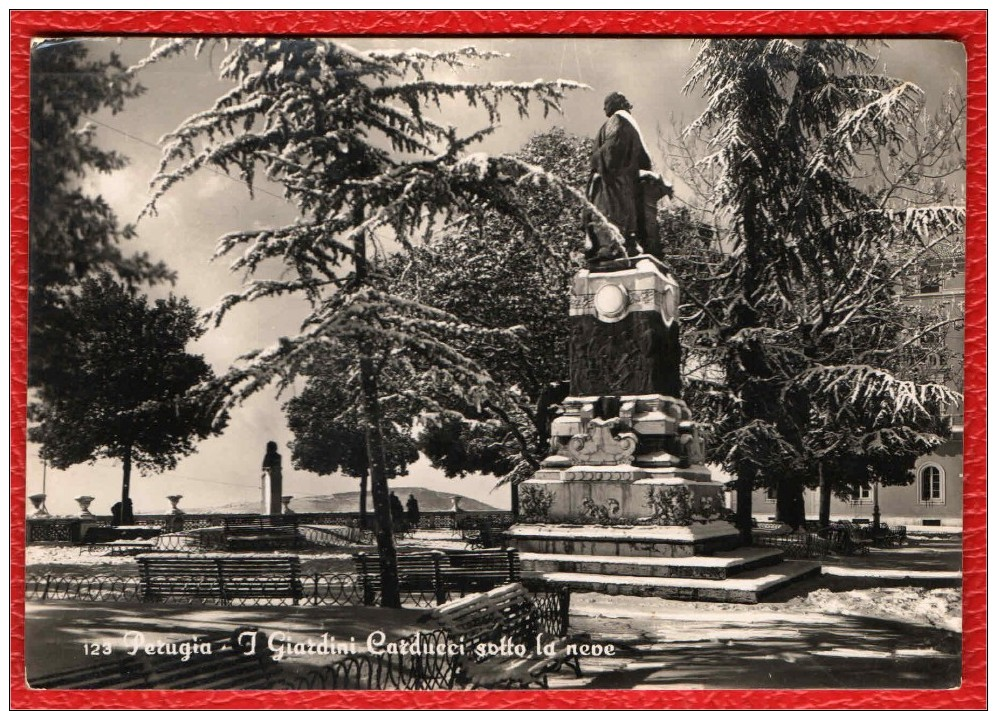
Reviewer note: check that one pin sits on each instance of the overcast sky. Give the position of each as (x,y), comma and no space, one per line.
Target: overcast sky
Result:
(192,217)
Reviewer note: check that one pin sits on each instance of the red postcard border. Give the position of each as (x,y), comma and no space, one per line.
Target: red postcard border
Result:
(967,27)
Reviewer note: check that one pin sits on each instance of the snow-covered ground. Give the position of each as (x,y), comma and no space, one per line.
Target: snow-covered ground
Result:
(889,619)
(941,607)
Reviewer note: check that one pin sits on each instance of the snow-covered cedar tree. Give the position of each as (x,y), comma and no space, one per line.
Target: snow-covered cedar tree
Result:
(802,314)
(352,139)
(73,233)
(495,274)
(136,394)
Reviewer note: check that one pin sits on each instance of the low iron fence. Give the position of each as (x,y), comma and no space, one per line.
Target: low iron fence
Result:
(73,530)
(428,662)
(318,589)
(799,545)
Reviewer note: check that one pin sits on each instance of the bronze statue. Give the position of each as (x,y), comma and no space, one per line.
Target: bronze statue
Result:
(623,187)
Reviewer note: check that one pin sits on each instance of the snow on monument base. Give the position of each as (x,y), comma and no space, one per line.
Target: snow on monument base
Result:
(701,562)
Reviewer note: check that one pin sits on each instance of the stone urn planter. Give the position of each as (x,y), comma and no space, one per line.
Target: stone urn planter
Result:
(174,509)
(84,502)
(38,501)
(285,502)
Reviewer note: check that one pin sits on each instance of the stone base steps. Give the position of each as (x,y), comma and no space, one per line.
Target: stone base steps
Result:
(748,587)
(635,541)
(720,566)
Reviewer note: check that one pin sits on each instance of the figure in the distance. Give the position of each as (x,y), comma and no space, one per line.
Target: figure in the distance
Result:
(397,513)
(412,511)
(623,187)
(272,481)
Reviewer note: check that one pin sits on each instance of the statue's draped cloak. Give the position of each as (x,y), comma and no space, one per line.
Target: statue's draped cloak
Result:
(618,158)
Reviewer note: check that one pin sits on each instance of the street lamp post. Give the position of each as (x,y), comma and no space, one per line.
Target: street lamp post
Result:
(875,506)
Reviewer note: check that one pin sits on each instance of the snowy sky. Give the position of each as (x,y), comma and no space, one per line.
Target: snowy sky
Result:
(650,72)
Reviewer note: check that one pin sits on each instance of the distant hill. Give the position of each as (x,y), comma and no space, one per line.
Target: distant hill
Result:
(349,501)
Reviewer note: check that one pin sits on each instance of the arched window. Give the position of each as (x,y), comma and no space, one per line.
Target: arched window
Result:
(931,485)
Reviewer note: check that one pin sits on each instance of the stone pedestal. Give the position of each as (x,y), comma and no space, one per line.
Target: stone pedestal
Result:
(623,445)
(623,503)
(621,494)
(624,331)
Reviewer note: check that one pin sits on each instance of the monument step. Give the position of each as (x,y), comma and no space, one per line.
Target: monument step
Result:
(719,567)
(636,541)
(748,587)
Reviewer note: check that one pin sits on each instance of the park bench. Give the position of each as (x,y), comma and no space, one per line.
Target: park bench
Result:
(888,536)
(440,574)
(848,539)
(772,528)
(260,533)
(481,533)
(476,571)
(119,539)
(417,573)
(481,622)
(220,577)
(227,666)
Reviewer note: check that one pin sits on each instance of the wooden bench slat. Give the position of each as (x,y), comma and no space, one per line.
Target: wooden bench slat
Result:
(505,612)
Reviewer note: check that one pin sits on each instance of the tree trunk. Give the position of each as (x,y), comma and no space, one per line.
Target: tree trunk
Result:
(126,478)
(789,505)
(127,517)
(825,498)
(390,596)
(514,500)
(744,486)
(363,499)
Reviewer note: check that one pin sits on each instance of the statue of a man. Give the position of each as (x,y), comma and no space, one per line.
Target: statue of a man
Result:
(623,186)
(272,481)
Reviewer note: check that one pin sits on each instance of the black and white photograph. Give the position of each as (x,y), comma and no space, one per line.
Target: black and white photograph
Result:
(443,363)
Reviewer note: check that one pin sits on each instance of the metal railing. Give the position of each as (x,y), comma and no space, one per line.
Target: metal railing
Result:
(800,545)
(71,529)
(426,663)
(318,590)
